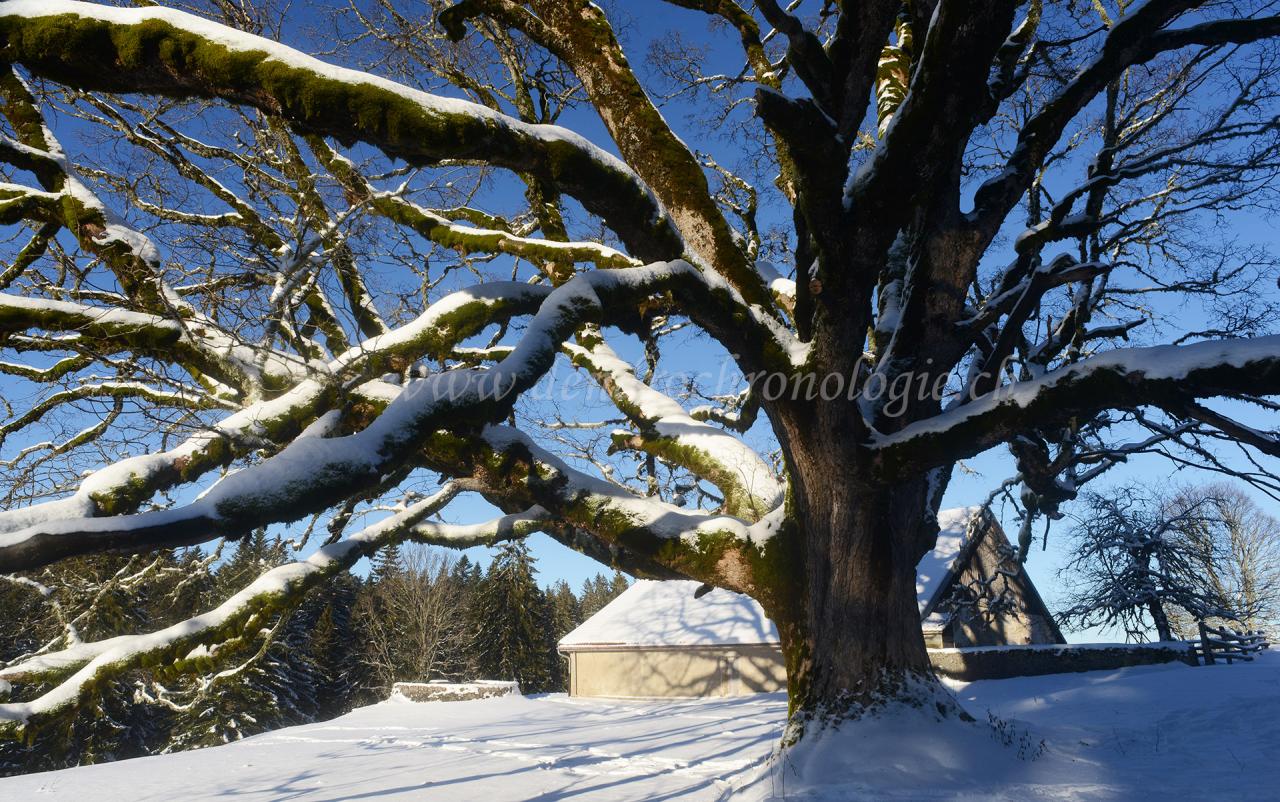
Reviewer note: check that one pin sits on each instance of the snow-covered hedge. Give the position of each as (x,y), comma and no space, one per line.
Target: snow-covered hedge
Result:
(453,691)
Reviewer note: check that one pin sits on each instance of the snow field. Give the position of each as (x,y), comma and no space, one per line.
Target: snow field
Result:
(1149,732)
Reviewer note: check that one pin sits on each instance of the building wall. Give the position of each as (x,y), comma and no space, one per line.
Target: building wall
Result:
(717,672)
(677,673)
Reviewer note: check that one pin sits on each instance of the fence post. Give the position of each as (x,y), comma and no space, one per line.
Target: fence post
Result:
(1205,648)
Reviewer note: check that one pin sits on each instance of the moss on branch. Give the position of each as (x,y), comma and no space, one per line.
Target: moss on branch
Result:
(159,51)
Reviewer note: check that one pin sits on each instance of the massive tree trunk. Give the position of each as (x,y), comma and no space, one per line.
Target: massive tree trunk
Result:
(846,607)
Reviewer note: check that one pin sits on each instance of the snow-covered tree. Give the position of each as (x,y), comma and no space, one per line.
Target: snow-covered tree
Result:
(387,563)
(1133,564)
(271,684)
(261,680)
(301,287)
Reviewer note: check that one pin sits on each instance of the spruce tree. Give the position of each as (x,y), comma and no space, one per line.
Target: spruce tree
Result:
(512,616)
(565,613)
(253,687)
(617,584)
(23,610)
(599,591)
(564,617)
(334,648)
(186,589)
(110,724)
(595,595)
(386,563)
(114,725)
(255,554)
(462,661)
(466,574)
(258,689)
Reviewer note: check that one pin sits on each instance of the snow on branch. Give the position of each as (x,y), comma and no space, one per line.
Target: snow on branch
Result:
(274,592)
(315,469)
(580,35)
(694,544)
(67,202)
(468,239)
(1123,378)
(666,430)
(586,502)
(783,289)
(445,323)
(122,487)
(118,327)
(102,390)
(162,50)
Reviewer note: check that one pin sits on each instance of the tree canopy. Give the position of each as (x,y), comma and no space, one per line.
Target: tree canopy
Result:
(265,288)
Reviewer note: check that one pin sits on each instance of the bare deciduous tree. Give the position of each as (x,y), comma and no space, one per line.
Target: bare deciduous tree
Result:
(1238,548)
(412,621)
(986,200)
(1134,564)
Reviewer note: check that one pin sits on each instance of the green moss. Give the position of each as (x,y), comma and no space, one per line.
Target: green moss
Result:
(737,500)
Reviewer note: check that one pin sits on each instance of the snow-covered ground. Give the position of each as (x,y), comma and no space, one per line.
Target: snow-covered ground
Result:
(492,750)
(1141,733)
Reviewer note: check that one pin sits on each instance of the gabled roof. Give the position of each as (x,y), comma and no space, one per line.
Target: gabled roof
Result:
(665,613)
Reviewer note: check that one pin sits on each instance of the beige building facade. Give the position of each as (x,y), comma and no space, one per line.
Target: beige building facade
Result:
(686,672)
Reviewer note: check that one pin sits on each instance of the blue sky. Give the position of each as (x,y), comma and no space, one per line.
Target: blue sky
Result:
(697,355)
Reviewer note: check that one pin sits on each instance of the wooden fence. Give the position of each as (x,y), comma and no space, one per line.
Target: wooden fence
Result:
(1220,643)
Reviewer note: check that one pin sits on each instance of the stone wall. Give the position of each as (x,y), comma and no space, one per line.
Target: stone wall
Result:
(1000,662)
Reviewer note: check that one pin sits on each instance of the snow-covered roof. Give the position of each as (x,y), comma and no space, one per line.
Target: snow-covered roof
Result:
(665,613)
(934,566)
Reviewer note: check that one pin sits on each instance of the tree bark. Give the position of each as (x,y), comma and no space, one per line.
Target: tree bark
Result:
(1161,620)
(847,609)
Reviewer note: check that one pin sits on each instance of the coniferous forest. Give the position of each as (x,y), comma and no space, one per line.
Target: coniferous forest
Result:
(419,614)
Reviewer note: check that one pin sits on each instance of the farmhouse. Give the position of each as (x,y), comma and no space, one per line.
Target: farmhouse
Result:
(658,639)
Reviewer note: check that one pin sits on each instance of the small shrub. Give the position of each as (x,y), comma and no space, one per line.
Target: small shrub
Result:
(1010,734)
